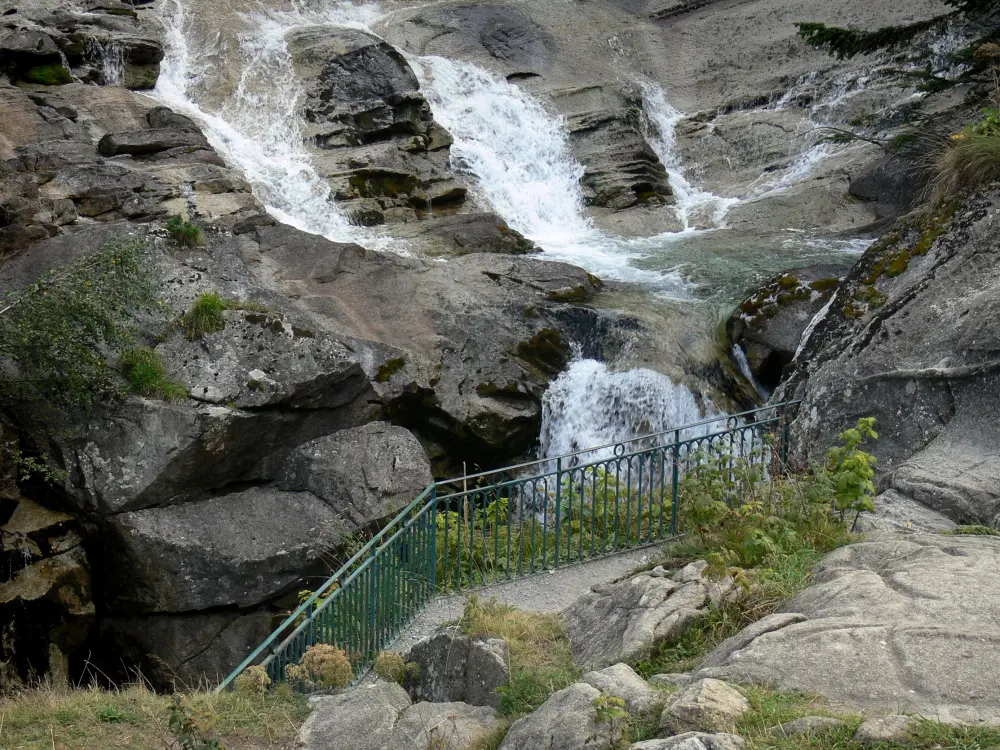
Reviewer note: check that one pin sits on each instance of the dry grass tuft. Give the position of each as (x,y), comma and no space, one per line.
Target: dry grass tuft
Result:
(968,162)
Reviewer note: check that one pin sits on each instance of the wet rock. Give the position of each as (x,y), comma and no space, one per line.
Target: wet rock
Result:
(381,716)
(374,134)
(693,741)
(150,142)
(621,681)
(456,667)
(466,233)
(192,556)
(893,184)
(367,473)
(566,721)
(706,706)
(905,622)
(895,728)
(768,325)
(624,620)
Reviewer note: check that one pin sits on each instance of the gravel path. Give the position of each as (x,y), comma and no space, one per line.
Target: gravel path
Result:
(551,591)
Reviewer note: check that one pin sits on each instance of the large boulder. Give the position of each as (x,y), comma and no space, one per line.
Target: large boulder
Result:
(910,339)
(705,705)
(566,721)
(380,717)
(624,620)
(621,681)
(899,623)
(457,667)
(367,473)
(693,741)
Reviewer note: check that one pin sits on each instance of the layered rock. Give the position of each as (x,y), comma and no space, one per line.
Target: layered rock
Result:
(375,139)
(905,623)
(456,667)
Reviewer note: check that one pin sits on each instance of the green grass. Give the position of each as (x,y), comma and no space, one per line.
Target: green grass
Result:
(137,718)
(204,316)
(48,75)
(185,233)
(968,162)
(973,530)
(147,375)
(541,660)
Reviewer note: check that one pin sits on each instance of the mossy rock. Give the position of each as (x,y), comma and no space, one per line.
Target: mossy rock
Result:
(388,369)
(824,285)
(141,77)
(48,75)
(547,351)
(370,183)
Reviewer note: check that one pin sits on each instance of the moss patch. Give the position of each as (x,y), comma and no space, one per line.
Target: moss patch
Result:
(48,75)
(547,351)
(388,369)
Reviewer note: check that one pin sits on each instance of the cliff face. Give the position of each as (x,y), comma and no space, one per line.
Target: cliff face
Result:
(910,338)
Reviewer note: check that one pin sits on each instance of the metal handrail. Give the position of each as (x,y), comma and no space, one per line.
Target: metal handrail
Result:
(428,500)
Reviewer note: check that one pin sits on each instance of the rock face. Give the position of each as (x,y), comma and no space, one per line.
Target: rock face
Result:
(693,741)
(44,579)
(621,681)
(375,137)
(910,340)
(895,728)
(898,623)
(456,667)
(625,619)
(381,716)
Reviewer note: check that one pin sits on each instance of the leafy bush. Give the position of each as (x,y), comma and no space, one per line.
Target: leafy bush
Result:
(323,666)
(147,375)
(188,727)
(185,233)
(58,332)
(205,316)
(255,680)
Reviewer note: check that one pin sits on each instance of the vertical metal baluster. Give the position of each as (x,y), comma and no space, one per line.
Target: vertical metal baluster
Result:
(674,481)
(662,490)
(593,510)
(604,526)
(558,506)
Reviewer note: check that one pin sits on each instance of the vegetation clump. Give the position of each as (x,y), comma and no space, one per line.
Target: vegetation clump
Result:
(147,375)
(185,233)
(58,333)
(254,680)
(322,667)
(204,316)
(390,666)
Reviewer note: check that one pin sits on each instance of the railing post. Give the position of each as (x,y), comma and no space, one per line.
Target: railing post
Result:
(372,605)
(675,481)
(432,562)
(558,505)
(785,431)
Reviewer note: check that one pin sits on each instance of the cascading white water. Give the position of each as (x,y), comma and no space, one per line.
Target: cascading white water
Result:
(258,128)
(695,207)
(110,55)
(520,157)
(590,405)
(740,357)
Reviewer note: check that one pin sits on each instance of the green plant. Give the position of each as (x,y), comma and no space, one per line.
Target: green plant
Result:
(187,727)
(147,375)
(255,680)
(851,471)
(185,233)
(974,530)
(610,711)
(204,316)
(323,666)
(60,330)
(112,715)
(967,162)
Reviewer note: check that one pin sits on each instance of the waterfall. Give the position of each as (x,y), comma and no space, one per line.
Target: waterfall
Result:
(739,356)
(695,207)
(258,128)
(589,405)
(110,55)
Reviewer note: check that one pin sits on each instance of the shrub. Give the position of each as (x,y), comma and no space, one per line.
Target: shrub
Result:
(323,667)
(254,680)
(967,162)
(205,316)
(185,233)
(60,329)
(390,666)
(147,375)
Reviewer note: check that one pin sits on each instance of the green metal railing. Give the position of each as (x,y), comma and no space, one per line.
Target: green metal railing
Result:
(501,525)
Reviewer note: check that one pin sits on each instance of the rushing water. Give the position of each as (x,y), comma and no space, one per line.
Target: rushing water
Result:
(258,127)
